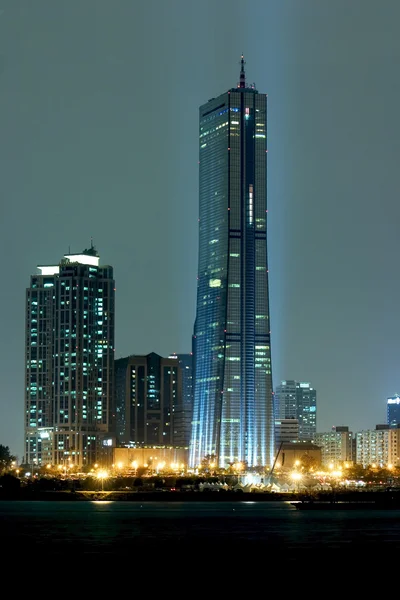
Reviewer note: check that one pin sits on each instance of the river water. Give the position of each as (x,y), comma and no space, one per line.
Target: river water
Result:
(129,528)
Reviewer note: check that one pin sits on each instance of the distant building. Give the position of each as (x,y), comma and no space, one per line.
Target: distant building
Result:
(393,411)
(286,430)
(147,389)
(69,355)
(379,447)
(336,446)
(285,400)
(297,400)
(184,409)
(372,446)
(292,454)
(394,447)
(153,458)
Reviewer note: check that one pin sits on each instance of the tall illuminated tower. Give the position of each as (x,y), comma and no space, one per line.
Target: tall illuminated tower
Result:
(69,361)
(233,406)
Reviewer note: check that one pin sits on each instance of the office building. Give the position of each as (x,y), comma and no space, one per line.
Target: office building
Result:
(285,400)
(286,430)
(233,408)
(148,388)
(297,400)
(69,361)
(393,411)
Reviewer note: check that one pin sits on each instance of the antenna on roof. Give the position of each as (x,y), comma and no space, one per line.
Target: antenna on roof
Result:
(242,81)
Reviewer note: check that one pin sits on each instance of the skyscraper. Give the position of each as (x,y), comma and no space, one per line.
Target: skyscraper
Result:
(69,361)
(393,411)
(233,409)
(297,400)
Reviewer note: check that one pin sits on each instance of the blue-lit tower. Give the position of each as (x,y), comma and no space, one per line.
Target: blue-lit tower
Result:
(233,406)
(393,411)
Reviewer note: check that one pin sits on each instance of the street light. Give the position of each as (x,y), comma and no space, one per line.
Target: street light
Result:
(102,475)
(296,478)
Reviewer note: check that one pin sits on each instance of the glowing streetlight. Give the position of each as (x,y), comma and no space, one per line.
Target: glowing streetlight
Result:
(336,473)
(296,478)
(102,475)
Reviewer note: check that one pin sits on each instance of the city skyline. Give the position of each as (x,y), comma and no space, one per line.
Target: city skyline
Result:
(99,139)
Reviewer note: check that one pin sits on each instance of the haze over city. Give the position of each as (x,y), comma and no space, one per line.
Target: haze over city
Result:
(99,120)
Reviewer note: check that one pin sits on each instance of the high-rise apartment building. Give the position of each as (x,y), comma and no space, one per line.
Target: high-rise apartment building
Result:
(336,446)
(393,411)
(297,400)
(69,361)
(372,446)
(379,447)
(147,389)
(233,409)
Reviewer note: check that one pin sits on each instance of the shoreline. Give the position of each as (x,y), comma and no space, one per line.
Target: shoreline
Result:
(376,499)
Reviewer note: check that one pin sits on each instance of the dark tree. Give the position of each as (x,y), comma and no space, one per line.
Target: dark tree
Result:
(5,458)
(9,483)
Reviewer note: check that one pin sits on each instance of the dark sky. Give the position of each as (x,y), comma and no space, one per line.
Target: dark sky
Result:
(98,138)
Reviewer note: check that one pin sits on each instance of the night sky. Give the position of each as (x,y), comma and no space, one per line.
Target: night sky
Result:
(99,138)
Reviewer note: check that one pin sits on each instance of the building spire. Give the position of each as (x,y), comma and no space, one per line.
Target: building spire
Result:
(242,80)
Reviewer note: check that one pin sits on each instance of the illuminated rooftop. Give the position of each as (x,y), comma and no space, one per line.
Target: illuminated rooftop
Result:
(89,256)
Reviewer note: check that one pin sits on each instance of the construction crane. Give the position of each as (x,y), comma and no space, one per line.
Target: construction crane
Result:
(269,476)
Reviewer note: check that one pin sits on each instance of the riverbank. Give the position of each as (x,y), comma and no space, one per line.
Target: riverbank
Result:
(138,496)
(363,499)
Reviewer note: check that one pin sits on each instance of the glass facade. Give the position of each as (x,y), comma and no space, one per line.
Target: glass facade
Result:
(233,407)
(69,361)
(297,400)
(393,411)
